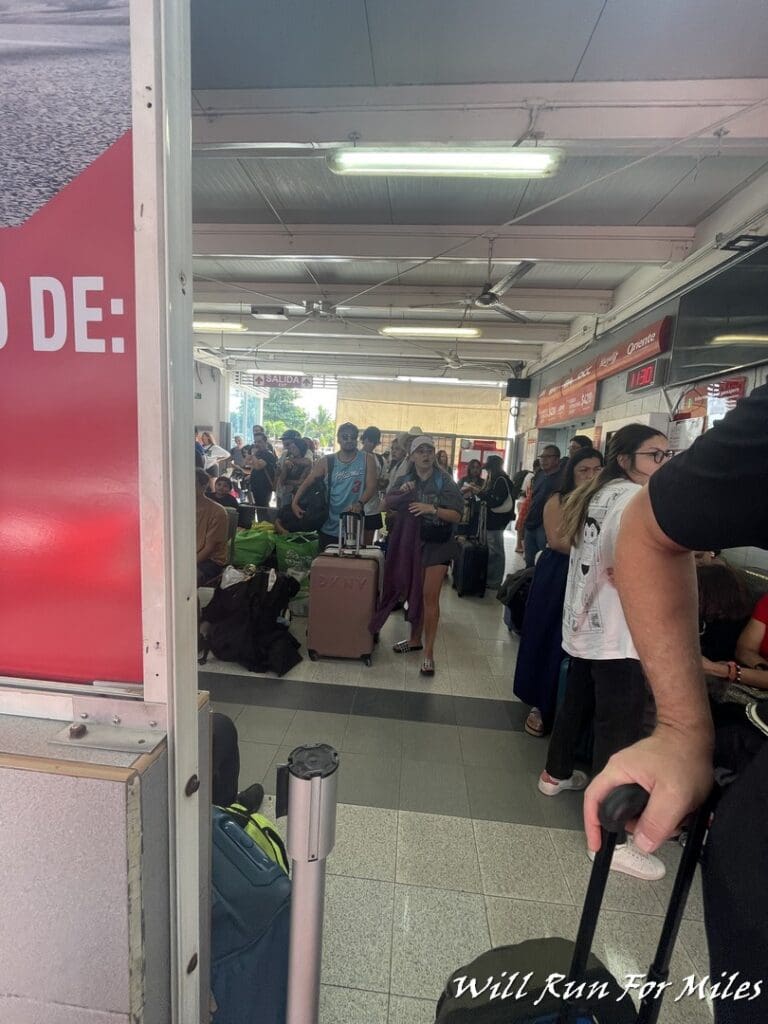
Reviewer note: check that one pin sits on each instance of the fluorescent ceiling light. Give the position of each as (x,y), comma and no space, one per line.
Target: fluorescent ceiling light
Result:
(740,339)
(431,332)
(218,328)
(450,380)
(268,313)
(466,162)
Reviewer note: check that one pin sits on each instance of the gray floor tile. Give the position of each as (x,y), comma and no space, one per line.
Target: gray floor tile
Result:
(386,672)
(224,707)
(426,741)
(281,757)
(504,749)
(437,850)
(403,1010)
(694,909)
(627,943)
(255,759)
(370,781)
(345,673)
(514,921)
(563,811)
(366,840)
(694,939)
(367,734)
(357,934)
(433,788)
(623,892)
(434,932)
(496,795)
(520,862)
(429,707)
(466,684)
(263,724)
(352,1006)
(316,727)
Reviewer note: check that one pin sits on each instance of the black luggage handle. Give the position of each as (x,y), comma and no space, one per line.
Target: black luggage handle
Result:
(624,804)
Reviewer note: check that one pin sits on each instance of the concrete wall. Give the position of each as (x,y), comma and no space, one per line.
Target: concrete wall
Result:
(211,408)
(440,409)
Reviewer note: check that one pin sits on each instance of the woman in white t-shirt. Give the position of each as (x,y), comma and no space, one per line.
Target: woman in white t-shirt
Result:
(606,686)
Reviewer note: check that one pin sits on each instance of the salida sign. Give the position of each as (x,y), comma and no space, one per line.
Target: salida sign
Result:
(279,380)
(575,396)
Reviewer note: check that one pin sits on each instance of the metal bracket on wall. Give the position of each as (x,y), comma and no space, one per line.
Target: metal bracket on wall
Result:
(117,738)
(102,723)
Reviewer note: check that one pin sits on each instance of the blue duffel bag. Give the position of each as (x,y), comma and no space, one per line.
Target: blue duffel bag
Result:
(250,923)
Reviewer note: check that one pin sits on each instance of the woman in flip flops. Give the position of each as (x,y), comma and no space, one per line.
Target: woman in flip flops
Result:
(421,548)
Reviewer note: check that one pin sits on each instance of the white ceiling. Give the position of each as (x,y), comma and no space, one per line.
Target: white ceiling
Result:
(613,82)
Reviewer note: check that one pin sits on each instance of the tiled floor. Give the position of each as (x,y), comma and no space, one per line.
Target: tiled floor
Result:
(444,846)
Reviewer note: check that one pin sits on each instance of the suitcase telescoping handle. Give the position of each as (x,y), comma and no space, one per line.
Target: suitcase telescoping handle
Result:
(350,524)
(621,806)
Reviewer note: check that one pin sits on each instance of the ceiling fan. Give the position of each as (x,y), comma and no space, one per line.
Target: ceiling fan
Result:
(491,294)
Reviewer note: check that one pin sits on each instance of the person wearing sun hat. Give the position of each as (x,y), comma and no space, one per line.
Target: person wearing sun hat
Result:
(421,547)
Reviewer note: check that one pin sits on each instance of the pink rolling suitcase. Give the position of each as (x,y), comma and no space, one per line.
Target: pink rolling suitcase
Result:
(343,592)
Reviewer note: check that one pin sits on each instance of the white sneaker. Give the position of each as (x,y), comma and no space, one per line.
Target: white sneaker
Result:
(550,786)
(630,861)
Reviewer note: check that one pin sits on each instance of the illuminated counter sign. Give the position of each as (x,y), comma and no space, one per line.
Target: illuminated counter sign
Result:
(649,375)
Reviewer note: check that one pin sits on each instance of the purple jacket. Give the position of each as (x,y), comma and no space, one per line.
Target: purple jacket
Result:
(403,566)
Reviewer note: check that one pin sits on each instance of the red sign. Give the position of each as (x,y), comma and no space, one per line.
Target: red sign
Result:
(574,404)
(651,341)
(574,396)
(70,576)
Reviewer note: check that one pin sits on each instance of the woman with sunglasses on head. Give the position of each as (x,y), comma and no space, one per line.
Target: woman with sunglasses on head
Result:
(537,669)
(421,547)
(606,686)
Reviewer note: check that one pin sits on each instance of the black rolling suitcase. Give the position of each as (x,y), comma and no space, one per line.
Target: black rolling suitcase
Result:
(556,981)
(470,567)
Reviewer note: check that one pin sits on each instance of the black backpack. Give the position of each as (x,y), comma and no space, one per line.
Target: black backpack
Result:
(513,594)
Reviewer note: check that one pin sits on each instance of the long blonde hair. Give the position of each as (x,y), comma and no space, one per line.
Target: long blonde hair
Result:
(625,441)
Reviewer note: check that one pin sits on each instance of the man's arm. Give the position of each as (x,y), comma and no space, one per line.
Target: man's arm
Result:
(656,580)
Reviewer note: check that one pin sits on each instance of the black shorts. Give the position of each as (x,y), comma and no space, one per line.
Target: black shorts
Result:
(373,522)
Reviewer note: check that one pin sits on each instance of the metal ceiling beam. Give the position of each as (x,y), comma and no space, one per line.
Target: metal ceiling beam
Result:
(310,242)
(318,331)
(359,348)
(211,297)
(569,111)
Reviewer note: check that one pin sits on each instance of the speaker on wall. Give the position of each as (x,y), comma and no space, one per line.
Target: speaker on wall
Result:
(519,387)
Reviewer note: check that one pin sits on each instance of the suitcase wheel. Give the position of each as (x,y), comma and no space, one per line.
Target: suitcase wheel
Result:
(367,660)
(312,655)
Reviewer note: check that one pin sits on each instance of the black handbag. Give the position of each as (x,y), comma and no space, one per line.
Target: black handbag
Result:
(316,503)
(435,532)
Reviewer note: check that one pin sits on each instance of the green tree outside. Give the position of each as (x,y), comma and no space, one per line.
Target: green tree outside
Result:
(322,427)
(282,412)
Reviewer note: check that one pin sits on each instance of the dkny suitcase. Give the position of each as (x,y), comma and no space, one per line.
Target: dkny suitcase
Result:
(470,567)
(372,551)
(556,981)
(250,927)
(343,594)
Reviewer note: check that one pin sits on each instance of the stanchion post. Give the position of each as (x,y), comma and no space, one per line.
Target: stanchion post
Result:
(307,784)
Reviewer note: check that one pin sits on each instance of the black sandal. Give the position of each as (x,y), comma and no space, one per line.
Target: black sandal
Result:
(405,647)
(427,667)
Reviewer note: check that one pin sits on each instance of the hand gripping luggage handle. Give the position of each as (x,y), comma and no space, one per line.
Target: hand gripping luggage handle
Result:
(622,805)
